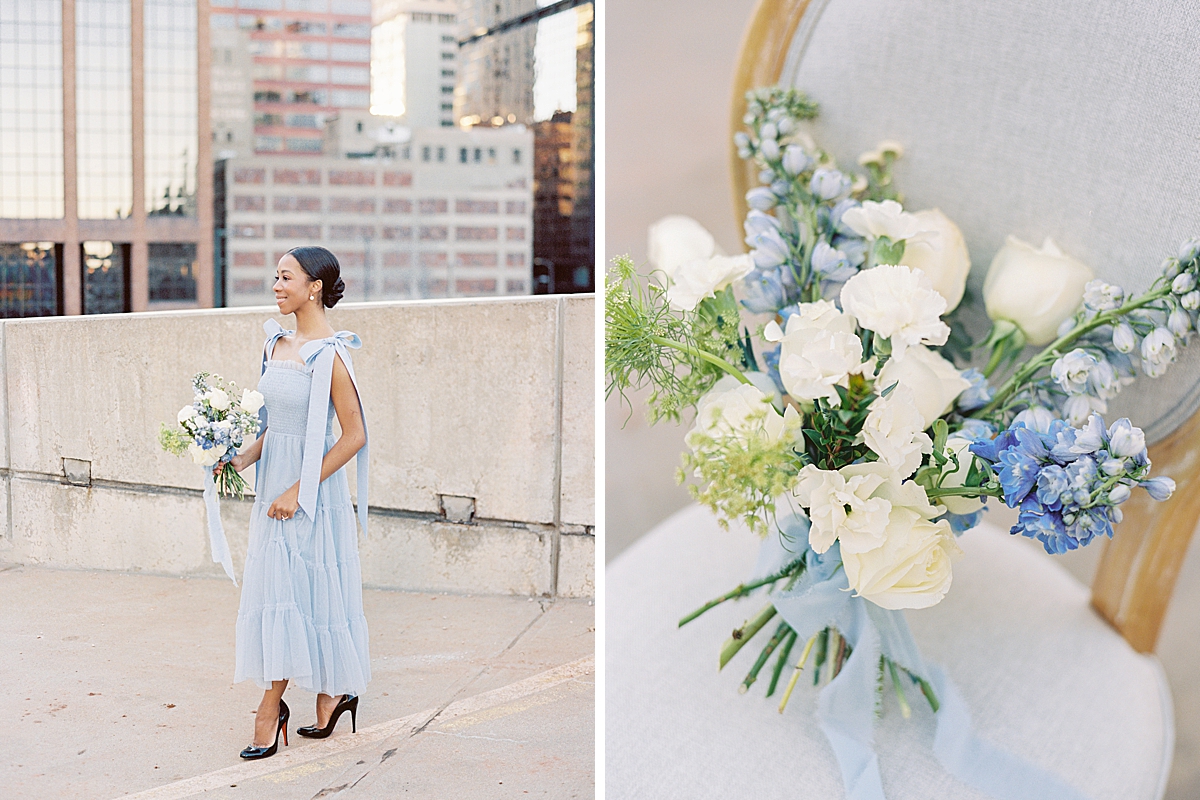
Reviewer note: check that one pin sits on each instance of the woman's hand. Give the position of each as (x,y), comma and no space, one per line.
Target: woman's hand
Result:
(286,504)
(239,462)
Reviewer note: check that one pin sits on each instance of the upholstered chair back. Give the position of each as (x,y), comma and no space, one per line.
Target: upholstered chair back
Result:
(1071,119)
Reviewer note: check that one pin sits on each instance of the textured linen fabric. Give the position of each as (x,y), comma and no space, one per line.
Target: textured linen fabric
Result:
(1071,119)
(301,615)
(1044,677)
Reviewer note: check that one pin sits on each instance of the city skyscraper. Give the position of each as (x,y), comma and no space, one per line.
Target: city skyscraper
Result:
(310,59)
(103,121)
(414,61)
(496,72)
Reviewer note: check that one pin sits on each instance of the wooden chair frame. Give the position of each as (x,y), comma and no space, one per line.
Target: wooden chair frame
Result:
(1138,568)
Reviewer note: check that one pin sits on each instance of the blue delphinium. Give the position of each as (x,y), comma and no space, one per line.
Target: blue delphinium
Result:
(1068,482)
(764,290)
(978,394)
(770,357)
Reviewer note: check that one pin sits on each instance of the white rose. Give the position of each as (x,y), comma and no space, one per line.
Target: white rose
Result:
(945,263)
(695,280)
(934,381)
(899,304)
(206,458)
(217,399)
(910,569)
(894,430)
(842,507)
(676,240)
(252,401)
(735,409)
(1035,288)
(223,424)
(954,478)
(818,352)
(874,220)
(186,413)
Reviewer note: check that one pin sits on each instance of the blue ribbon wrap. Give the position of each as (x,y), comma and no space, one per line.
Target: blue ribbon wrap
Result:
(846,705)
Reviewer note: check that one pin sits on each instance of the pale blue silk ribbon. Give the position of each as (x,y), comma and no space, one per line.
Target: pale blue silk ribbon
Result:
(318,356)
(216,531)
(846,706)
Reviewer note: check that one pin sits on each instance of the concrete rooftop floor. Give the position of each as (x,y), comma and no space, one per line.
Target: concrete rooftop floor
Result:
(120,684)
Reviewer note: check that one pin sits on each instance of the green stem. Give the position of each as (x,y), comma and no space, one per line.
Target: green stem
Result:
(698,353)
(783,630)
(788,644)
(822,650)
(744,589)
(905,711)
(926,690)
(1051,352)
(964,491)
(744,634)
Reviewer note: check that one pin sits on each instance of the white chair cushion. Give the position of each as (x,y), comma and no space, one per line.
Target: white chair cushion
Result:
(1043,675)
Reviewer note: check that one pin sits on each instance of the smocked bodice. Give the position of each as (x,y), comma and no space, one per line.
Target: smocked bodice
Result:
(285,387)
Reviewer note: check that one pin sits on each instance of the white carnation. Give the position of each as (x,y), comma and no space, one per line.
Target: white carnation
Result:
(735,409)
(676,240)
(818,352)
(894,430)
(841,506)
(897,303)
(875,220)
(700,278)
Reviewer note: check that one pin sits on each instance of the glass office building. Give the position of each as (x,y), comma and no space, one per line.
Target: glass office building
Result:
(103,123)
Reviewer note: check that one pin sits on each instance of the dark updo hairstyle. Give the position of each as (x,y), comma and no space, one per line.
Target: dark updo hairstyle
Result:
(321,265)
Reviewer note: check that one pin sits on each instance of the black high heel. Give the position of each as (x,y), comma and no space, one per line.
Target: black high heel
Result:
(253,752)
(347,703)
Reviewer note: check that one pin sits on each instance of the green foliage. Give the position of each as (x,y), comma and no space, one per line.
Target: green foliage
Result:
(832,433)
(173,440)
(794,102)
(680,354)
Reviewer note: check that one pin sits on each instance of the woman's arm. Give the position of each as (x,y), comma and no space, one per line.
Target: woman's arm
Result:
(250,454)
(354,436)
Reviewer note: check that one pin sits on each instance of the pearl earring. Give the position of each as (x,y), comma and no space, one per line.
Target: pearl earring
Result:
(310,297)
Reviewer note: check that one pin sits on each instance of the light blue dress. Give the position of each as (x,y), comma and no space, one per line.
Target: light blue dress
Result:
(301,614)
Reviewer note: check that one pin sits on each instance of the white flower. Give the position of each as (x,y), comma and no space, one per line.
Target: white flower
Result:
(1101,296)
(1035,288)
(945,262)
(818,352)
(676,240)
(186,413)
(874,220)
(206,458)
(695,280)
(953,478)
(1035,418)
(217,399)
(735,409)
(1126,441)
(1073,370)
(223,424)
(1079,407)
(899,304)
(841,507)
(1158,350)
(252,401)
(934,381)
(894,430)
(1123,339)
(910,569)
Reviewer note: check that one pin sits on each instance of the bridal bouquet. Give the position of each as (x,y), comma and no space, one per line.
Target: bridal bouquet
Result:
(214,428)
(836,411)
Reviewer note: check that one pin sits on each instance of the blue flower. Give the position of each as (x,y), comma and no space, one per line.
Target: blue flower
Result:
(854,247)
(961,523)
(976,429)
(770,250)
(835,217)
(1052,483)
(827,184)
(764,290)
(757,222)
(761,198)
(978,394)
(831,264)
(1020,464)
(1160,488)
(770,357)
(1046,525)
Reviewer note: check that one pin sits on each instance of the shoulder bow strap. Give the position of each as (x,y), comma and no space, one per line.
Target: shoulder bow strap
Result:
(273,330)
(318,355)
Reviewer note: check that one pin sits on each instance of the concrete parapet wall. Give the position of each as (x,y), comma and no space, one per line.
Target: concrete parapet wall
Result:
(484,399)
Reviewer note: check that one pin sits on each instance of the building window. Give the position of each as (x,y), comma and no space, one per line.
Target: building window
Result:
(478,155)
(171,95)
(172,272)
(358,127)
(462,155)
(425,153)
(491,155)
(448,39)
(29,280)
(103,110)
(406,153)
(446,123)
(441,154)
(447,90)
(447,73)
(516,156)
(447,106)
(105,278)
(447,56)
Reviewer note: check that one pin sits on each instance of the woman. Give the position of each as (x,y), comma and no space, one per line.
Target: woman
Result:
(301,615)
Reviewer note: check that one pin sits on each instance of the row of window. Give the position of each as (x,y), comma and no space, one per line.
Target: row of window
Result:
(466,155)
(368,205)
(307,27)
(338,98)
(317,51)
(350,8)
(401,287)
(425,233)
(348,76)
(388,258)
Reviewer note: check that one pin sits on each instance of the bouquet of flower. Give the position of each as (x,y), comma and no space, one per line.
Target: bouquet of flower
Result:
(846,424)
(214,428)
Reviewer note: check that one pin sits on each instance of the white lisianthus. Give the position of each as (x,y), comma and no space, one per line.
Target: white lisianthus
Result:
(676,240)
(186,413)
(735,409)
(1037,289)
(946,262)
(899,304)
(695,280)
(954,478)
(874,220)
(895,431)
(252,401)
(842,507)
(206,458)
(910,569)
(217,399)
(934,381)
(818,352)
